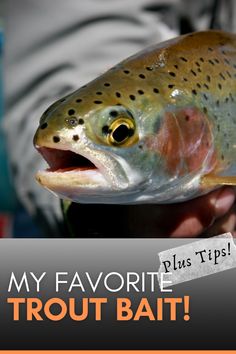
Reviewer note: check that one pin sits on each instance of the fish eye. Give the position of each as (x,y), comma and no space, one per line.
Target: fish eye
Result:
(120,131)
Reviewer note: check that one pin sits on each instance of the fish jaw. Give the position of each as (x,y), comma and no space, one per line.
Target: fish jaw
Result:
(84,174)
(74,184)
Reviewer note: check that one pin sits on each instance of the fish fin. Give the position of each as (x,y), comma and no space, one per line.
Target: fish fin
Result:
(65,204)
(211,180)
(65,207)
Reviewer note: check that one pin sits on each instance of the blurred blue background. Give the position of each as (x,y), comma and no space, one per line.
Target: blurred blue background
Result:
(7,195)
(13,218)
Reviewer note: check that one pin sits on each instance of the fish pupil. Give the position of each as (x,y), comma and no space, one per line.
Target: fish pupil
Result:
(121,133)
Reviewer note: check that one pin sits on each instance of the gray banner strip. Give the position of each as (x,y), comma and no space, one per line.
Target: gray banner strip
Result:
(104,294)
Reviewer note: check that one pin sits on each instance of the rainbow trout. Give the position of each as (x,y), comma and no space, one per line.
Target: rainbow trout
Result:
(159,127)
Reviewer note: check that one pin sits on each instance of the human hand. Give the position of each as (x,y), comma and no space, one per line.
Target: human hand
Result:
(205,216)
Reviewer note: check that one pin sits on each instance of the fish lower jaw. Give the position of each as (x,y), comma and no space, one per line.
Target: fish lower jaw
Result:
(73,183)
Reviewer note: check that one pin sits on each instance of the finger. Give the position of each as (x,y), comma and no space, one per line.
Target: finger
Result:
(187,219)
(224,201)
(204,211)
(225,224)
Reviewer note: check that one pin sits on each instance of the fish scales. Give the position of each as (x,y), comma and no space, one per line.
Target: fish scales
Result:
(159,127)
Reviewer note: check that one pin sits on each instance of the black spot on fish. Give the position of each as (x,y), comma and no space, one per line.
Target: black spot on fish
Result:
(211,62)
(202,60)
(140,146)
(118,94)
(184,59)
(199,70)
(44,125)
(76,137)
(208,78)
(171,73)
(56,139)
(140,92)
(132,97)
(97,102)
(222,76)
(227,61)
(217,103)
(79,100)
(142,76)
(185,79)
(176,66)
(194,92)
(81,121)
(107,84)
(171,86)
(229,75)
(205,96)
(105,129)
(227,100)
(99,93)
(210,49)
(193,72)
(197,63)
(114,114)
(149,68)
(220,86)
(204,109)
(198,85)
(126,72)
(206,86)
(71,112)
(216,61)
(155,90)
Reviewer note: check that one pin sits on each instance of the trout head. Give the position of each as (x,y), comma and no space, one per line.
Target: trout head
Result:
(139,133)
(95,154)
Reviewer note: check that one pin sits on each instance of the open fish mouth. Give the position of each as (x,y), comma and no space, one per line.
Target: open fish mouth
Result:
(65,160)
(71,175)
